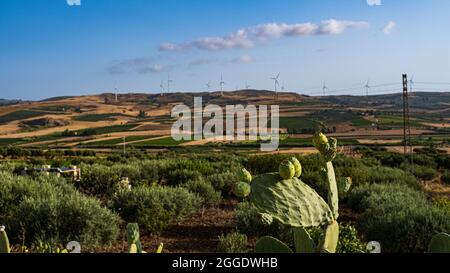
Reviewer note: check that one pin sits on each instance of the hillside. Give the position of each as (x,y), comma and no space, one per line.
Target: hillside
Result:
(144,119)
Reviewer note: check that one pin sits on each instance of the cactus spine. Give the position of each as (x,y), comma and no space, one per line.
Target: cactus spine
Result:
(4,242)
(293,203)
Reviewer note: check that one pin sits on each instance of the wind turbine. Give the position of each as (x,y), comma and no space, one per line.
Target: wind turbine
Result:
(411,84)
(208,86)
(222,83)
(282,87)
(247,86)
(169,81)
(161,86)
(277,83)
(367,86)
(325,88)
(116,96)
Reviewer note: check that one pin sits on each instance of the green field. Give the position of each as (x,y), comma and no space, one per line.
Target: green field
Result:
(98,117)
(116,141)
(20,115)
(161,142)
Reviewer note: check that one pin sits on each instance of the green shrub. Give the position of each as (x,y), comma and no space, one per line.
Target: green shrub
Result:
(47,208)
(443,203)
(205,190)
(233,243)
(181,176)
(248,220)
(421,172)
(154,208)
(446,177)
(98,180)
(223,181)
(398,217)
(349,241)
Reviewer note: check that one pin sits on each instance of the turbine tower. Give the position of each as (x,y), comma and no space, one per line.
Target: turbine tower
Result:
(116,96)
(325,88)
(161,86)
(277,83)
(367,86)
(169,81)
(222,83)
(208,86)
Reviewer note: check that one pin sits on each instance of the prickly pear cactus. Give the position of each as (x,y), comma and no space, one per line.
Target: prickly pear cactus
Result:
(303,241)
(133,237)
(297,166)
(327,147)
(242,189)
(4,242)
(245,176)
(331,238)
(291,202)
(440,243)
(286,170)
(271,245)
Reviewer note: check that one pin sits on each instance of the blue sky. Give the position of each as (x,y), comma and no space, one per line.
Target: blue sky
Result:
(50,48)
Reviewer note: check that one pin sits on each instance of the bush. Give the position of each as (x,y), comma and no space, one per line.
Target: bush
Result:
(233,243)
(349,241)
(98,180)
(154,208)
(49,209)
(398,217)
(446,177)
(205,190)
(181,176)
(421,172)
(223,181)
(248,221)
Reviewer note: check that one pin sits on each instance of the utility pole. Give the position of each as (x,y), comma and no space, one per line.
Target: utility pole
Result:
(124,145)
(408,149)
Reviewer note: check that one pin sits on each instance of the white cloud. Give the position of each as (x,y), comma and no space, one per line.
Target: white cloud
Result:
(389,28)
(374,2)
(250,36)
(200,62)
(73,2)
(243,60)
(137,65)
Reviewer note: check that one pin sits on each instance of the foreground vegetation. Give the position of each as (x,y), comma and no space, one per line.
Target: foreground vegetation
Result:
(386,203)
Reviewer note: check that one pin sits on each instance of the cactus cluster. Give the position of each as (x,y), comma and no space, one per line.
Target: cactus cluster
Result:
(4,242)
(283,197)
(134,241)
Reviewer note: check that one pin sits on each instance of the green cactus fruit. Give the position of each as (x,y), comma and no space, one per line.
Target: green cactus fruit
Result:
(245,176)
(133,249)
(319,141)
(331,238)
(242,189)
(270,245)
(286,169)
(297,166)
(291,202)
(303,241)
(440,243)
(4,242)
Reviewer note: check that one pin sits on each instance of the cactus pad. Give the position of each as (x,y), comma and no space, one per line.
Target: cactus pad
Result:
(286,169)
(297,166)
(4,242)
(291,202)
(303,241)
(271,245)
(331,238)
(440,243)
